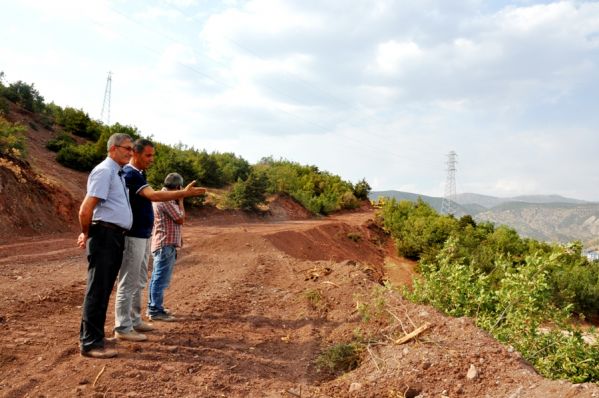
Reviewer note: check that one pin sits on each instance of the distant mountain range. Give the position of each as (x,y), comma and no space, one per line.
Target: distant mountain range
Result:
(551,218)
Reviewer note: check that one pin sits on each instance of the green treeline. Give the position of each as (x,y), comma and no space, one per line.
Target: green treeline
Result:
(318,191)
(524,292)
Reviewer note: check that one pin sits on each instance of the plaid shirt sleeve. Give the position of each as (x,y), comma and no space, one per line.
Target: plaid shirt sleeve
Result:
(172,210)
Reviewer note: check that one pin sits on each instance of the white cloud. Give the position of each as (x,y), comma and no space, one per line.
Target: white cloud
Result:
(392,55)
(174,56)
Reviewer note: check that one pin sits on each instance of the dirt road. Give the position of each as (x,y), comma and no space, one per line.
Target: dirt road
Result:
(246,327)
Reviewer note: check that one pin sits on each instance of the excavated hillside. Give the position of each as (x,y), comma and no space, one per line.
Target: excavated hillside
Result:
(258,300)
(37,195)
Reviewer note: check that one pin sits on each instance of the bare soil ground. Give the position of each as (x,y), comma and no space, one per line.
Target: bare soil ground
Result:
(244,294)
(246,328)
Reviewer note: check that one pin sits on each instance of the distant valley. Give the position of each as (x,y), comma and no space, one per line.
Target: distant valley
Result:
(550,218)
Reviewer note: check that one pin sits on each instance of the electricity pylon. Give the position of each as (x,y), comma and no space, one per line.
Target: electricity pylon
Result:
(105,115)
(448,205)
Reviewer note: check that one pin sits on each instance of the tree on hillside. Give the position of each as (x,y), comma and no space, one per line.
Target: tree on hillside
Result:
(248,194)
(25,95)
(77,122)
(206,168)
(168,160)
(362,189)
(232,168)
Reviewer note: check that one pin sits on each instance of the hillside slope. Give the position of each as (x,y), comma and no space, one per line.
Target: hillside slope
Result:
(38,195)
(558,222)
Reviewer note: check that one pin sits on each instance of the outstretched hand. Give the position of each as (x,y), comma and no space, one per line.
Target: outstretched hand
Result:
(190,190)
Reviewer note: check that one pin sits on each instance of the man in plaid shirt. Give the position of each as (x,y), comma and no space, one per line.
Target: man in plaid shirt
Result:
(166,238)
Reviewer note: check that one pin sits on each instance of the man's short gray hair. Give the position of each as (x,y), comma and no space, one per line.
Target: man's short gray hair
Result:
(117,139)
(173,181)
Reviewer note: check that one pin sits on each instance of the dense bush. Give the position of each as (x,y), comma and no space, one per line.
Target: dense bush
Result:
(208,169)
(23,94)
(80,157)
(77,122)
(318,191)
(171,160)
(59,142)
(510,285)
(515,309)
(232,168)
(362,189)
(248,194)
(420,233)
(4,106)
(417,228)
(12,141)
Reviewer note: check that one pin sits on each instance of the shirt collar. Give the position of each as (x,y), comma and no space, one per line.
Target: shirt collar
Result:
(114,164)
(136,169)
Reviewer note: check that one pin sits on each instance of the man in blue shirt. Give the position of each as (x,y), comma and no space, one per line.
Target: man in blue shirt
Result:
(133,274)
(104,216)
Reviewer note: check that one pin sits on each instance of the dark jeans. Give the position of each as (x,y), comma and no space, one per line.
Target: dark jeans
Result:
(105,253)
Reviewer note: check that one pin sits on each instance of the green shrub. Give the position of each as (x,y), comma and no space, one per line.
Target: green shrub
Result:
(25,95)
(342,357)
(362,189)
(420,233)
(59,142)
(171,160)
(318,191)
(206,168)
(512,310)
(232,168)
(248,194)
(12,141)
(4,106)
(77,122)
(80,157)
(509,285)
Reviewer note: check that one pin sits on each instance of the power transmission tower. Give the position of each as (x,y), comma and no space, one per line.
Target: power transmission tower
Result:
(105,115)
(448,205)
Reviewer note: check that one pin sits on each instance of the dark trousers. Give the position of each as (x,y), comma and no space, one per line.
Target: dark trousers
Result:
(105,253)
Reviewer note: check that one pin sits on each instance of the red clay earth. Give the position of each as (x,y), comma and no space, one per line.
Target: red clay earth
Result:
(246,324)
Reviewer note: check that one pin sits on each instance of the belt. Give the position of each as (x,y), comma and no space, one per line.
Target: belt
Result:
(109,225)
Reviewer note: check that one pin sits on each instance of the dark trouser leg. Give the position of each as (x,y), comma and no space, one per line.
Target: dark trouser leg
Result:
(105,248)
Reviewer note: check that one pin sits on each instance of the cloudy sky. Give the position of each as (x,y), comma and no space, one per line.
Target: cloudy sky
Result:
(375,89)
